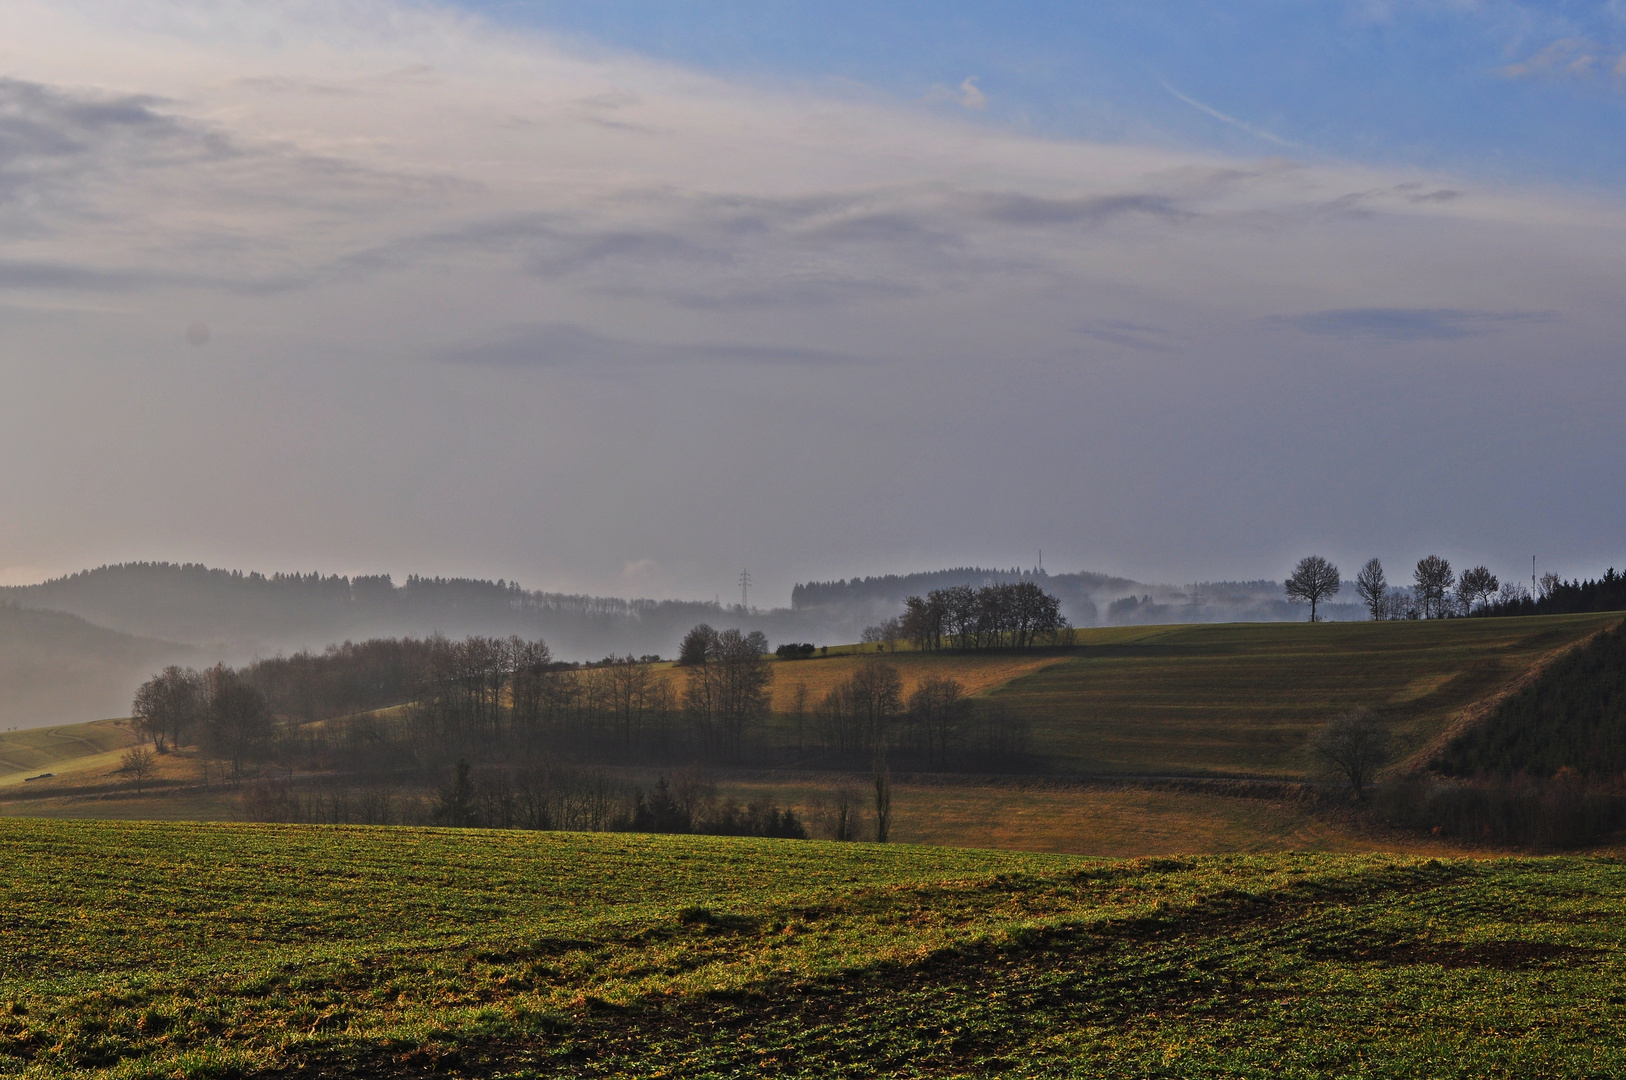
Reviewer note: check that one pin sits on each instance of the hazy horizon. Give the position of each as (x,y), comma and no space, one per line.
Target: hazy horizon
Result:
(620,300)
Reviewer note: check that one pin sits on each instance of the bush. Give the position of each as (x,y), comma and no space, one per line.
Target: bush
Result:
(1565,811)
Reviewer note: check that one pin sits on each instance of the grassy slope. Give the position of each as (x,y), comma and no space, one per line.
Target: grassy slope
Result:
(978,673)
(1242,699)
(77,746)
(1574,716)
(169,950)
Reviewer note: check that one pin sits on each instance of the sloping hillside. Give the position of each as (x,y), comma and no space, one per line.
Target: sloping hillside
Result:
(1573,716)
(57,668)
(1242,700)
(62,747)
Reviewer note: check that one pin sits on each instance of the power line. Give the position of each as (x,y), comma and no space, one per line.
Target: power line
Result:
(745,586)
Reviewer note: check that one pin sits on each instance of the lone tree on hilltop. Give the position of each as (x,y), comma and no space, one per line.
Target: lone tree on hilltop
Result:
(1374,589)
(1354,746)
(1313,580)
(1434,580)
(1478,584)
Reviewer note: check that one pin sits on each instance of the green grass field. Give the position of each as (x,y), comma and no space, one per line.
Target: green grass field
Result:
(1242,699)
(209,950)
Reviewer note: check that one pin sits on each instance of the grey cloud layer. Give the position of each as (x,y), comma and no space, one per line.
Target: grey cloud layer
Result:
(565,345)
(594,305)
(1409,324)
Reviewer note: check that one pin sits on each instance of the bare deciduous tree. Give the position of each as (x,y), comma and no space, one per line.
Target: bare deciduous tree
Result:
(1477,585)
(167,705)
(729,689)
(839,816)
(883,636)
(1434,580)
(882,780)
(798,711)
(935,709)
(1354,746)
(140,763)
(1373,588)
(1314,579)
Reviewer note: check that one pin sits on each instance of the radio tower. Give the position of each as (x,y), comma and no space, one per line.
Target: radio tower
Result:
(745,586)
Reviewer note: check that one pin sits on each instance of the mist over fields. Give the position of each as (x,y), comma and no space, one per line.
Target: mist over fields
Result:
(76,647)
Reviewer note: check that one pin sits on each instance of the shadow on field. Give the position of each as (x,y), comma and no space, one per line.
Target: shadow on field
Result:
(975,1009)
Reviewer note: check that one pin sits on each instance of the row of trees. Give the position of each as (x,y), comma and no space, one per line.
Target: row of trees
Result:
(868,714)
(729,687)
(1437,591)
(226,714)
(542,797)
(1010,615)
(406,705)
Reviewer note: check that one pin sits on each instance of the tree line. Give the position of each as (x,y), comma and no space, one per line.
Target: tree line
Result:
(536,797)
(408,706)
(1001,615)
(1437,591)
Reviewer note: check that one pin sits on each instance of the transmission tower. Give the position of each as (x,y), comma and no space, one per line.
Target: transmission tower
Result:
(745,587)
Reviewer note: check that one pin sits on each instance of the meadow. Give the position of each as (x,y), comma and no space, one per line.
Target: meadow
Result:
(147,950)
(28,753)
(1241,700)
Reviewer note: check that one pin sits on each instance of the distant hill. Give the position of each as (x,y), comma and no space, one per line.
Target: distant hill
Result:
(1087,599)
(76,646)
(58,668)
(239,614)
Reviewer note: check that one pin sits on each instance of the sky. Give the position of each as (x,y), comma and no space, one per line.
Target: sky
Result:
(623,298)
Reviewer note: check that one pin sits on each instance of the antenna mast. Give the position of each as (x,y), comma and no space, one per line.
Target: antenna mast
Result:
(745,586)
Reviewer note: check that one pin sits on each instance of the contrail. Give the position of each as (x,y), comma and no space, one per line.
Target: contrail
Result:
(1233,121)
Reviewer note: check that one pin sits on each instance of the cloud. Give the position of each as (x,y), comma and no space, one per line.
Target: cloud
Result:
(563,345)
(1407,324)
(968,95)
(53,139)
(971,96)
(1015,209)
(1569,58)
(1566,56)
(1132,335)
(457,273)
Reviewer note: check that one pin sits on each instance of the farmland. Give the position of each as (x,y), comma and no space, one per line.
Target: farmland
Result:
(1136,704)
(1241,700)
(157,950)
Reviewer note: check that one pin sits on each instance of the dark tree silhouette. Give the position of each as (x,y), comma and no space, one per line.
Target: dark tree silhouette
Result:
(1477,585)
(1373,588)
(1434,580)
(1354,745)
(167,705)
(882,779)
(1313,580)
